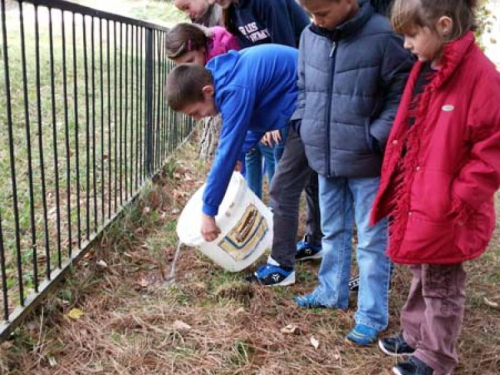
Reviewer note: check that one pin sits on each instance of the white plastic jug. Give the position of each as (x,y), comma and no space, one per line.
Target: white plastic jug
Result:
(245,222)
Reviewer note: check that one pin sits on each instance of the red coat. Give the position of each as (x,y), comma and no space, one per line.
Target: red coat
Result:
(441,200)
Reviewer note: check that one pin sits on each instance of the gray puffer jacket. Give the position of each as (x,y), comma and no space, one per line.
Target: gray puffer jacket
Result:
(350,84)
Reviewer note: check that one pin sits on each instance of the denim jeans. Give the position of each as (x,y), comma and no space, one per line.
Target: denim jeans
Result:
(254,169)
(254,172)
(341,201)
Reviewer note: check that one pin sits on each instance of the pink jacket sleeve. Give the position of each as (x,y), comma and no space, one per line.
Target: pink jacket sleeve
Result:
(222,41)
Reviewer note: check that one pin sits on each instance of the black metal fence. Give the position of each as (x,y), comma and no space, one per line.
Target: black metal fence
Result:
(83,125)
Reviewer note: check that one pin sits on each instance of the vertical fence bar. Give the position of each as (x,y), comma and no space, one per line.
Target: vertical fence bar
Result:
(94,182)
(131,164)
(87,130)
(54,140)
(108,42)
(137,115)
(124,159)
(121,114)
(11,154)
(66,133)
(28,146)
(5,292)
(143,114)
(77,130)
(149,102)
(103,172)
(40,143)
(115,89)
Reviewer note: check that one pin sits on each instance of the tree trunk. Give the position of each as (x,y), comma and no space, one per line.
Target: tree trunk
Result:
(209,137)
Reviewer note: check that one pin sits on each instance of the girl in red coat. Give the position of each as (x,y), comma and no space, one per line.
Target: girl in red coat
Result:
(440,172)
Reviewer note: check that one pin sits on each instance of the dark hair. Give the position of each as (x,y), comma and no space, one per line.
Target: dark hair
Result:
(408,14)
(228,19)
(185,85)
(185,37)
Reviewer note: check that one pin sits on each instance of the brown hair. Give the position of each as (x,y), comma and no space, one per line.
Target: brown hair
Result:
(408,14)
(185,37)
(185,85)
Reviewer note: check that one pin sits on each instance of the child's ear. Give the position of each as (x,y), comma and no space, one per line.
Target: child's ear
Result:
(445,26)
(208,90)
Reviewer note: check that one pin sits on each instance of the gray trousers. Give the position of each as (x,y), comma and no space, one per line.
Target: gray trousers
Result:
(291,177)
(433,314)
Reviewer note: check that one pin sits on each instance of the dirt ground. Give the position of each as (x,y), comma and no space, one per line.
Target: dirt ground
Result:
(116,314)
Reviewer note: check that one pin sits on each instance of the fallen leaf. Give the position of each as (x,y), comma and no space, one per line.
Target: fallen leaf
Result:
(490,303)
(289,329)
(181,326)
(314,342)
(102,264)
(74,314)
(52,362)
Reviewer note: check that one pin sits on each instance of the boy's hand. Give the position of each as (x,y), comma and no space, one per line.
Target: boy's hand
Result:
(238,166)
(271,137)
(209,230)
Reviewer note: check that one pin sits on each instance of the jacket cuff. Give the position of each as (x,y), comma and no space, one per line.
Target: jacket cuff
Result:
(210,210)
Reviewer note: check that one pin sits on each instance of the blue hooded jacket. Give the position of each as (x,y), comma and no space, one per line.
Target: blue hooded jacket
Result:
(256,92)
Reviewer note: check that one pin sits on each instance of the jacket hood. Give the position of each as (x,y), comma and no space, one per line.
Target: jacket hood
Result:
(222,68)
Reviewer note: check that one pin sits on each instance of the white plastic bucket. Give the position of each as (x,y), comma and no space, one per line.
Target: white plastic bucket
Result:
(245,222)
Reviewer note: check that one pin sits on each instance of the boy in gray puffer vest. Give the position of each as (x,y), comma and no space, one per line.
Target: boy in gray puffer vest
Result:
(352,71)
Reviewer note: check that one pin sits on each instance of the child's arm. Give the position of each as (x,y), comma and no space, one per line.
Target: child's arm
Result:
(395,68)
(479,178)
(236,110)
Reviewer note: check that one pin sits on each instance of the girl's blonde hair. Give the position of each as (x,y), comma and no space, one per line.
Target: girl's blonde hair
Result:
(185,37)
(408,14)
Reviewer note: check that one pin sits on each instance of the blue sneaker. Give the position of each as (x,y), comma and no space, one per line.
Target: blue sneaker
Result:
(308,301)
(362,335)
(306,250)
(272,274)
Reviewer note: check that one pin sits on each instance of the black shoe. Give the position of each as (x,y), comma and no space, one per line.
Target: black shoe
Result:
(413,366)
(395,345)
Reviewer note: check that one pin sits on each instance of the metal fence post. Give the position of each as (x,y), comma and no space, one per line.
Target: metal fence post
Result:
(148,144)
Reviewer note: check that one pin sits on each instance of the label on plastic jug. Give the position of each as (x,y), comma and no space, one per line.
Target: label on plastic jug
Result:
(246,235)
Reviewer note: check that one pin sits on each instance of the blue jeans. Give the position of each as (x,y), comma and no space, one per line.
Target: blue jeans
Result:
(341,200)
(254,171)
(253,163)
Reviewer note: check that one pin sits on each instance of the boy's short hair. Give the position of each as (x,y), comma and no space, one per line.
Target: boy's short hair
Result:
(185,85)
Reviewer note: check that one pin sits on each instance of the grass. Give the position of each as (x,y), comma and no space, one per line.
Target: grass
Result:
(109,135)
(210,321)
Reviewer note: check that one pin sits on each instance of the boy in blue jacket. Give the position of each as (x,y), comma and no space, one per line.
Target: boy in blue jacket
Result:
(254,90)
(352,71)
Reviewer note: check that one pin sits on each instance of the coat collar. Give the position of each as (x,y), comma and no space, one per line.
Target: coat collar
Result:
(453,55)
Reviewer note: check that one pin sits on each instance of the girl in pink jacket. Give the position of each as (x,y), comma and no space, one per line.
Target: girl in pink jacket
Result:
(191,43)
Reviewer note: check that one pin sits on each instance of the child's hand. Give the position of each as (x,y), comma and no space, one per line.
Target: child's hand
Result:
(271,137)
(238,166)
(209,230)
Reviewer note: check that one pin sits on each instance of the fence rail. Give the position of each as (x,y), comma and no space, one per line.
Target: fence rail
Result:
(83,126)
